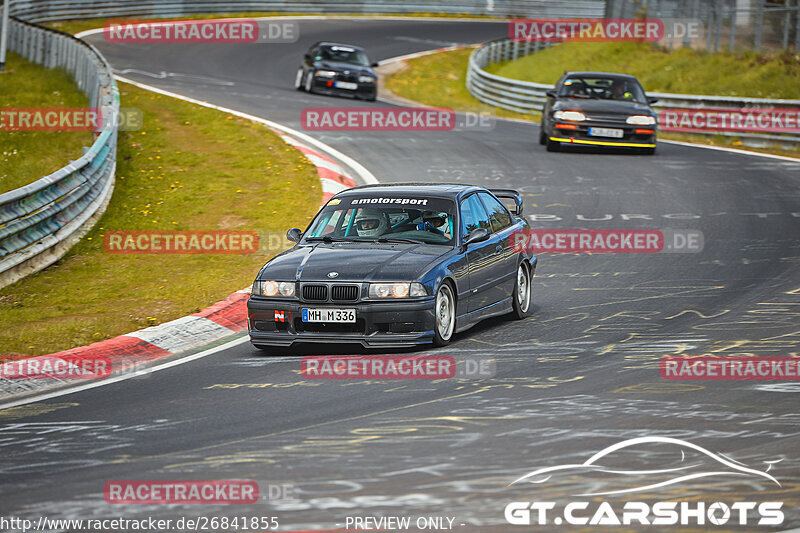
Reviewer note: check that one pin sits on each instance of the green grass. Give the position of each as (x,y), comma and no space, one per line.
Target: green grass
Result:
(189,168)
(439,79)
(26,156)
(685,70)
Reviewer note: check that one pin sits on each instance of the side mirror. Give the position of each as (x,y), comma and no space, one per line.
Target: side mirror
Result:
(551,93)
(477,235)
(652,99)
(307,57)
(294,235)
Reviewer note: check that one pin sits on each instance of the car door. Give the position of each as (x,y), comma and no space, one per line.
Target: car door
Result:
(505,270)
(481,256)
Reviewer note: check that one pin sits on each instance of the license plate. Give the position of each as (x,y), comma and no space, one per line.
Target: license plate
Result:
(350,86)
(606,132)
(329,315)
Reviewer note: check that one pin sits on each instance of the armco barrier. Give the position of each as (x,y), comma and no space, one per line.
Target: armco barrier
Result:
(527,97)
(40,221)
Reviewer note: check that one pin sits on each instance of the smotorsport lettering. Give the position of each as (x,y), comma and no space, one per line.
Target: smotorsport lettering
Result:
(401,201)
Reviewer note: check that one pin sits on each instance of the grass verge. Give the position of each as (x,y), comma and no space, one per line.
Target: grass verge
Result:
(440,79)
(189,168)
(26,156)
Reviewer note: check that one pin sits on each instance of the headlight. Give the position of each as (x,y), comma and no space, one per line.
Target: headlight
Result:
(641,120)
(366,79)
(274,288)
(569,115)
(325,73)
(396,290)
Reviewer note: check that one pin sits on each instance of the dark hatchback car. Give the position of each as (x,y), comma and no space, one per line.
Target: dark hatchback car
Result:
(599,109)
(341,69)
(395,265)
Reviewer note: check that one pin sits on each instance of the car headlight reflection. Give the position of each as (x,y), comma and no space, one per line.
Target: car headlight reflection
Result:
(325,73)
(396,290)
(274,288)
(576,116)
(366,79)
(641,120)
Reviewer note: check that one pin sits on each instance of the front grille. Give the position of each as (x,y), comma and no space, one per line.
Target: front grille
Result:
(319,327)
(606,117)
(317,293)
(344,293)
(347,77)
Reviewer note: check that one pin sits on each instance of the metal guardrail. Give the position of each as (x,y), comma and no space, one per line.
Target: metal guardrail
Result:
(528,97)
(40,221)
(47,10)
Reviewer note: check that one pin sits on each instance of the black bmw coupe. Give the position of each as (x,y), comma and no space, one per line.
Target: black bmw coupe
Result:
(339,69)
(395,265)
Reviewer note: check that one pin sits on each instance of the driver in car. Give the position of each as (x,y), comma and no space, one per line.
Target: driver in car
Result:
(371,223)
(619,91)
(432,221)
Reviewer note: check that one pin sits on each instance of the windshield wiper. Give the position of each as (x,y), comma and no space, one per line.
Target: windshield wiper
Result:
(398,239)
(328,238)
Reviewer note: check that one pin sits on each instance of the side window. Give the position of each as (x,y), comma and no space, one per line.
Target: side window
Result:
(473,216)
(498,213)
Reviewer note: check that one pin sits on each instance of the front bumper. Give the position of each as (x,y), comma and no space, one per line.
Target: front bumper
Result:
(326,86)
(631,138)
(276,322)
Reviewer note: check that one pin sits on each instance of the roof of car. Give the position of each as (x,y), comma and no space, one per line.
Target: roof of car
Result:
(599,74)
(437,189)
(326,43)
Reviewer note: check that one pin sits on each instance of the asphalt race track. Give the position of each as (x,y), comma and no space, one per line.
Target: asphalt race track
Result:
(577,376)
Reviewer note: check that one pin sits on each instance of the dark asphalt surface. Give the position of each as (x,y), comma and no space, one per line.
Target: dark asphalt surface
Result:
(580,374)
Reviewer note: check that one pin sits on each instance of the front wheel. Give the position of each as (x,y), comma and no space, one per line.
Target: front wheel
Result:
(542,136)
(445,315)
(522,293)
(309,81)
(298,80)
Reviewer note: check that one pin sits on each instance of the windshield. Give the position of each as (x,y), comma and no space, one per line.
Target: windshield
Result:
(385,219)
(343,54)
(603,89)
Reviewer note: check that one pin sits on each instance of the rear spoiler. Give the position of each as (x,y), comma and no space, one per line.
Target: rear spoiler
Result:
(513,195)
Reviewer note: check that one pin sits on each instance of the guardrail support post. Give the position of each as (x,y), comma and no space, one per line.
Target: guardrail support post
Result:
(759,25)
(4,36)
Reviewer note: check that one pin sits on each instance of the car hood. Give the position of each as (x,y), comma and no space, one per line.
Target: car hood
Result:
(603,106)
(338,66)
(353,262)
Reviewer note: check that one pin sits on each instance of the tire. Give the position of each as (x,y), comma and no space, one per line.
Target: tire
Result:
(522,292)
(542,136)
(308,84)
(553,146)
(444,311)
(298,80)
(372,97)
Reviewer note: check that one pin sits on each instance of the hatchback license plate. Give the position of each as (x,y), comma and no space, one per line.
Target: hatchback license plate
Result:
(605,132)
(345,85)
(329,315)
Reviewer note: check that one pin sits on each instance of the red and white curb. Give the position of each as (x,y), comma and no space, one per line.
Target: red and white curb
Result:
(223,319)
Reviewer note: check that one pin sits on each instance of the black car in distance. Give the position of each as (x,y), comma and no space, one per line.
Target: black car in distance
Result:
(599,109)
(337,69)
